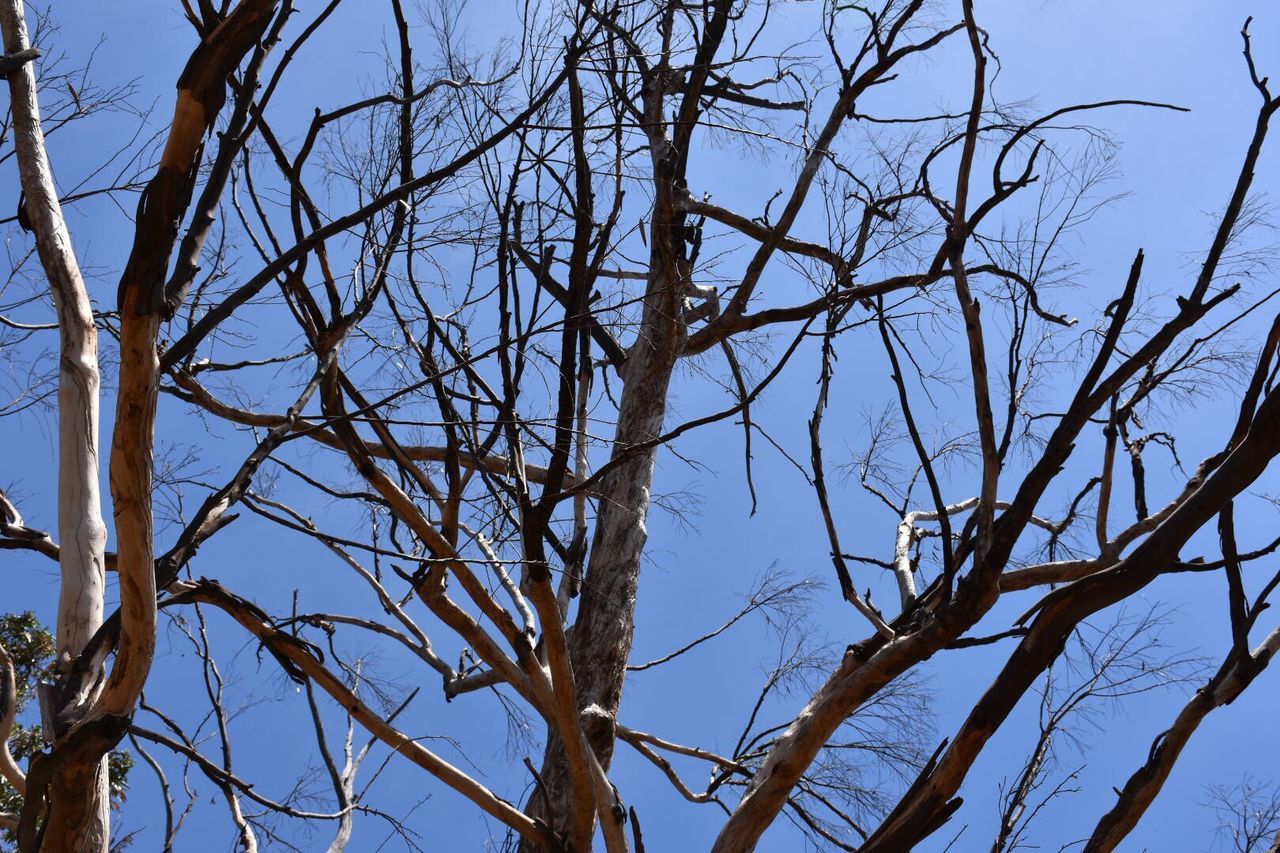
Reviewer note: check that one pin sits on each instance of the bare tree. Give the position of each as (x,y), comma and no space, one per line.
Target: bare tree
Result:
(1248,815)
(1099,667)
(438,334)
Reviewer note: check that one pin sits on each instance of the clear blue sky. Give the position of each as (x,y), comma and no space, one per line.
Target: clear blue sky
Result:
(1177,170)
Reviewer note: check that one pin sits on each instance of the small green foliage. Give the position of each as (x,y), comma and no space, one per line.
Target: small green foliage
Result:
(119,763)
(31,647)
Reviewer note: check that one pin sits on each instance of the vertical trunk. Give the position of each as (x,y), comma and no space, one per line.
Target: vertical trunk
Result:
(602,633)
(78,820)
(81,531)
(90,720)
(601,636)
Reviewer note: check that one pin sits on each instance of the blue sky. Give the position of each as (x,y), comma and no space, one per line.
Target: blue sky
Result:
(1177,169)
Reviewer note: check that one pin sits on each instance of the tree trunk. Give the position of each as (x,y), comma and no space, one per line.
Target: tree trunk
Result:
(78,820)
(601,636)
(82,800)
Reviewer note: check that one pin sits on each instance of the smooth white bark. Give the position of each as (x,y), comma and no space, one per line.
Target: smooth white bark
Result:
(81,531)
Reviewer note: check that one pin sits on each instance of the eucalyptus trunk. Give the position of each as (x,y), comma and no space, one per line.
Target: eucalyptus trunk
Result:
(601,637)
(79,797)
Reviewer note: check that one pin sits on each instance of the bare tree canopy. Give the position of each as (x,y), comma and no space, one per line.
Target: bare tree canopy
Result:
(342,389)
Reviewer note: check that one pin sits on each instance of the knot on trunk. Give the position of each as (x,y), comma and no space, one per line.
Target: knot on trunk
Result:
(599,725)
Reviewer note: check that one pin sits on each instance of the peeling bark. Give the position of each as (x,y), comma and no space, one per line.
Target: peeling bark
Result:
(201,94)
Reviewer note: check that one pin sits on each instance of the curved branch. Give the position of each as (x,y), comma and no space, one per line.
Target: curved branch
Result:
(287,648)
